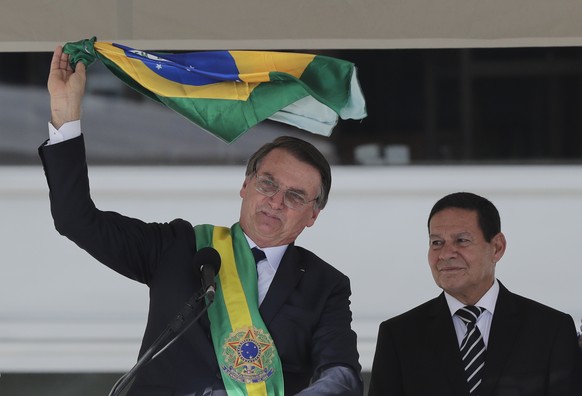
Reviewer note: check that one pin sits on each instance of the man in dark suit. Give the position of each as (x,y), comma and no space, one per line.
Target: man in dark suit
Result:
(305,317)
(516,347)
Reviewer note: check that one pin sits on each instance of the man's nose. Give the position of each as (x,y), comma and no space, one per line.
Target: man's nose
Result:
(277,200)
(448,251)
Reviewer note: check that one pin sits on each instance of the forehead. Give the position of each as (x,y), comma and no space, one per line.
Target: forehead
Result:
(454,220)
(286,168)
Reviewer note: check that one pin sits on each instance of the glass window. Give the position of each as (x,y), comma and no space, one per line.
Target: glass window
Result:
(425,106)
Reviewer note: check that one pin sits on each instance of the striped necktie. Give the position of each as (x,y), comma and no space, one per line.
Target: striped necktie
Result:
(472,347)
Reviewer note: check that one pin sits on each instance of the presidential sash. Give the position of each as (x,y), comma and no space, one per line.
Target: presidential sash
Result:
(248,360)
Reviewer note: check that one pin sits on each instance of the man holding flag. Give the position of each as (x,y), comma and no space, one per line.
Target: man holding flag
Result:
(280,327)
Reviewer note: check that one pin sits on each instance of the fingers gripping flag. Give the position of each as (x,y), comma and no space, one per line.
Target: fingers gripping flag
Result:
(228,92)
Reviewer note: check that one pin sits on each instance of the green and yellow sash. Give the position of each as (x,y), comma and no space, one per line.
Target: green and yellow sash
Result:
(246,353)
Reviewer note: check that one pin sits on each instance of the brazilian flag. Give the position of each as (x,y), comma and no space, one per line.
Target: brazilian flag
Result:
(228,92)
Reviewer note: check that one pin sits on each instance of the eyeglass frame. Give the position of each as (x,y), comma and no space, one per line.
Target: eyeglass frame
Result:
(258,178)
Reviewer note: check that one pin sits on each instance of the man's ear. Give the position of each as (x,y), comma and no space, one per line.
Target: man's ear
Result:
(499,246)
(313,217)
(243,189)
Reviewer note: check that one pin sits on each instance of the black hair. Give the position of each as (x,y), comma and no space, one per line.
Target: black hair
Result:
(487,214)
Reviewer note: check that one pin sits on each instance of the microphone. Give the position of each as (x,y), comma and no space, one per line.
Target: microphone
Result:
(209,260)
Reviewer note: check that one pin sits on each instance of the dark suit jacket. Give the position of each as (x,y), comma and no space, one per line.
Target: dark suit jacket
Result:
(306,309)
(532,351)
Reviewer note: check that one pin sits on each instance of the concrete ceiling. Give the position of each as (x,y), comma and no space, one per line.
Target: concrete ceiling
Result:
(38,25)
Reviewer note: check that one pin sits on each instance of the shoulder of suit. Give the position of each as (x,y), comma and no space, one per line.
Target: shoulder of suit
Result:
(424,310)
(529,304)
(181,229)
(312,261)
(181,224)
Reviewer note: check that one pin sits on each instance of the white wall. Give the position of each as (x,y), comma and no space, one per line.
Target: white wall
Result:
(62,311)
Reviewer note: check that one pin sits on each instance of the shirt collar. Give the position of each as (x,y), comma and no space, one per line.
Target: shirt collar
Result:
(488,300)
(274,254)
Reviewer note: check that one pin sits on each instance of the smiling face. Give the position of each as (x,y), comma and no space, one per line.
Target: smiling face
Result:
(461,260)
(266,220)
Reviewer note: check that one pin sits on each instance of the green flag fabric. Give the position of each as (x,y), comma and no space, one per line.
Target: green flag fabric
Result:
(228,92)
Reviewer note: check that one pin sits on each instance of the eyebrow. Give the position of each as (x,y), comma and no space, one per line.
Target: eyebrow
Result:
(462,233)
(300,191)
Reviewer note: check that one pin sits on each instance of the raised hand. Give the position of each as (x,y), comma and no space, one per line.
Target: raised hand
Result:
(66,88)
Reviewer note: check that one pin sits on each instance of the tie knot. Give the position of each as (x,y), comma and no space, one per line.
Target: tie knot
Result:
(258,254)
(469,314)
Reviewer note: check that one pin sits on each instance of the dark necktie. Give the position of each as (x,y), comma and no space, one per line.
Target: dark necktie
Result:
(472,347)
(258,254)
(263,280)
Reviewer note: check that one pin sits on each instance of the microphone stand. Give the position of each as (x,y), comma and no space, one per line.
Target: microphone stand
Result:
(175,327)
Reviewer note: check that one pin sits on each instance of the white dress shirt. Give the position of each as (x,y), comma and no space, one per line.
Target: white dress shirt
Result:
(267,267)
(488,302)
(68,130)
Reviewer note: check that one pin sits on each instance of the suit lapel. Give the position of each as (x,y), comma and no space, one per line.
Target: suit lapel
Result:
(505,328)
(443,339)
(290,271)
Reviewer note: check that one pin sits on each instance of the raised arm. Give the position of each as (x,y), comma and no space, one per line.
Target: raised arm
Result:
(66,88)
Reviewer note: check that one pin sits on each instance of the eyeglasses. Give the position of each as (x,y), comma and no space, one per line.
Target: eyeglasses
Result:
(269,187)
